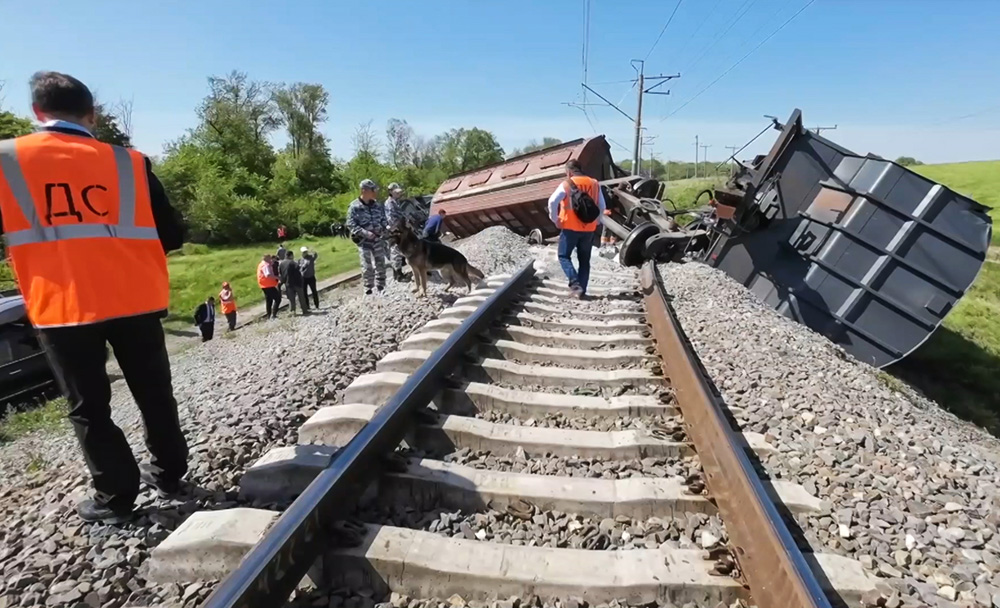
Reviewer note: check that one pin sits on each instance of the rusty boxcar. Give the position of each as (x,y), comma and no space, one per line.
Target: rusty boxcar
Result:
(514,193)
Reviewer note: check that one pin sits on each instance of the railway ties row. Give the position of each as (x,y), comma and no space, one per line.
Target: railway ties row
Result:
(556,436)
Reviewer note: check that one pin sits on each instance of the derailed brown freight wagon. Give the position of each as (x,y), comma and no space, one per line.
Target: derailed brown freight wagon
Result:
(515,193)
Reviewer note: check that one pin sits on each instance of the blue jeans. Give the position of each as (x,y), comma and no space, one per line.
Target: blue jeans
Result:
(583,242)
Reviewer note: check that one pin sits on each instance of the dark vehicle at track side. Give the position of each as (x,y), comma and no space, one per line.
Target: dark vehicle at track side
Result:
(23,368)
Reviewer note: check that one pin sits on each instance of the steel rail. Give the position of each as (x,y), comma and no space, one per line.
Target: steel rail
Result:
(271,570)
(776,571)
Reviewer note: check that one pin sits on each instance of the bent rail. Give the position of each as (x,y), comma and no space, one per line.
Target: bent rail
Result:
(776,571)
(272,569)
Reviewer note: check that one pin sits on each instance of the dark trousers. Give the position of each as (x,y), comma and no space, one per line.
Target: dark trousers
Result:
(310,283)
(582,242)
(77,356)
(296,293)
(231,319)
(207,331)
(273,298)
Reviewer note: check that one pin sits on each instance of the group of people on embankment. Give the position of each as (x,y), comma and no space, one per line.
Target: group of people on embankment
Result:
(276,273)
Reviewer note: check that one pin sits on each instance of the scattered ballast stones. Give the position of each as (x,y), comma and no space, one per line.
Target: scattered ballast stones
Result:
(912,490)
(669,426)
(578,467)
(531,526)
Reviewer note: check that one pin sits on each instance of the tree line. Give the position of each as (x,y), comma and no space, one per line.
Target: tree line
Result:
(233,186)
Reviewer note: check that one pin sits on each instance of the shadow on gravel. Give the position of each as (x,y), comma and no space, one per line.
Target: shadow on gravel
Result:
(960,375)
(181,333)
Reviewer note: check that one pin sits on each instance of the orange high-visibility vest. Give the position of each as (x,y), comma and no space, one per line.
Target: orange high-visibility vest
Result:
(78,223)
(228,305)
(263,280)
(567,217)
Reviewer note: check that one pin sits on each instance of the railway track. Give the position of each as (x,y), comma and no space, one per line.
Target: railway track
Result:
(567,450)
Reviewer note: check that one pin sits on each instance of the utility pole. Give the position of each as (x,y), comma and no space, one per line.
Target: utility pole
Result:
(704,157)
(641,80)
(638,118)
(817,130)
(642,90)
(732,160)
(696,156)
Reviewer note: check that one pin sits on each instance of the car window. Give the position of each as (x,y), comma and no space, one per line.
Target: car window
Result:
(17,341)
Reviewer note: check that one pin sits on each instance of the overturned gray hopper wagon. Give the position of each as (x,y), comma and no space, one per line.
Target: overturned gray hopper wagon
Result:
(858,248)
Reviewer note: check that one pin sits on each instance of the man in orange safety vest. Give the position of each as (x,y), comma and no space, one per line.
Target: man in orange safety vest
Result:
(575,234)
(87,226)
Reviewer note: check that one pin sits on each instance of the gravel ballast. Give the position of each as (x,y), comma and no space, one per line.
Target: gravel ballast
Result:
(911,490)
(238,397)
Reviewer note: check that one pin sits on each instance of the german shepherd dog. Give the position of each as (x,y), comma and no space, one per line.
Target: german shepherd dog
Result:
(423,256)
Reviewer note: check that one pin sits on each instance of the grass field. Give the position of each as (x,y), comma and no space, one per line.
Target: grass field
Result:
(197,271)
(684,191)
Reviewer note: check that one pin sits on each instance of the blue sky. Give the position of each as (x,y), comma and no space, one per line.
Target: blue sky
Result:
(896,76)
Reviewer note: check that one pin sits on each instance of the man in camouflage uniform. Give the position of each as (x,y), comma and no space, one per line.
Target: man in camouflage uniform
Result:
(393,214)
(366,223)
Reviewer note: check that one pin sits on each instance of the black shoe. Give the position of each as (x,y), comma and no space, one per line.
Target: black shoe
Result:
(91,511)
(163,489)
(368,291)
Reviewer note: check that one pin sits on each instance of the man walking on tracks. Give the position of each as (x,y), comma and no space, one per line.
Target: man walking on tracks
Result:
(84,223)
(394,214)
(366,222)
(575,208)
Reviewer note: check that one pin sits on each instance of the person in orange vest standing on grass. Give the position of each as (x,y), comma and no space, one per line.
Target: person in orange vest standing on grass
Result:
(267,279)
(576,208)
(86,222)
(227,303)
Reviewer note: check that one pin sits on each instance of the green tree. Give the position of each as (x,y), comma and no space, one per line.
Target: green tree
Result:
(303,108)
(399,138)
(468,149)
(12,125)
(534,146)
(908,161)
(108,129)
(237,116)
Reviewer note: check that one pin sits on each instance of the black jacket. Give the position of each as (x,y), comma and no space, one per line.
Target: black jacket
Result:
(201,314)
(169,225)
(289,273)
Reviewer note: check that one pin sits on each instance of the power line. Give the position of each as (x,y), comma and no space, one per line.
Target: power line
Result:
(748,4)
(695,31)
(773,18)
(965,116)
(741,60)
(753,139)
(665,26)
(598,84)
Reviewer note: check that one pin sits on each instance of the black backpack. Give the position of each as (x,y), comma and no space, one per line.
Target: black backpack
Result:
(583,206)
